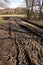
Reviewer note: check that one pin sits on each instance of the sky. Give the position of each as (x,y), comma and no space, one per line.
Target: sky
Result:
(17,3)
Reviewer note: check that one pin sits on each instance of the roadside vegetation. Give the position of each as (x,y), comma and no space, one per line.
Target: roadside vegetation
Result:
(37,14)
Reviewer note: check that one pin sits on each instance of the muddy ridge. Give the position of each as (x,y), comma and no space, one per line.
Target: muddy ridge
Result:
(19,46)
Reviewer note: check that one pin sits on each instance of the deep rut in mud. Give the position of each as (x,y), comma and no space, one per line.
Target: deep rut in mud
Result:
(19,46)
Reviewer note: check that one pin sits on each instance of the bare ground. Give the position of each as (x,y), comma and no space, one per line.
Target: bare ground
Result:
(21,47)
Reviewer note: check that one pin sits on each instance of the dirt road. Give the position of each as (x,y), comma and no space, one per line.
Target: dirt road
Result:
(20,44)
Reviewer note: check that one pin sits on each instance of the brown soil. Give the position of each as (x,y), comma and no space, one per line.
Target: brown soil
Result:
(19,48)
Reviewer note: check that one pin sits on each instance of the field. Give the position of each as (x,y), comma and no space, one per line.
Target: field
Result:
(13,15)
(21,43)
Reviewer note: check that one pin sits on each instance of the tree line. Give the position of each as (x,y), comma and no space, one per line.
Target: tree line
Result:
(34,8)
(38,4)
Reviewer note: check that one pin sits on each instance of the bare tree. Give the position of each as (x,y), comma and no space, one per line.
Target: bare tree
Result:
(26,3)
(32,5)
(3,3)
(40,8)
(28,8)
(6,0)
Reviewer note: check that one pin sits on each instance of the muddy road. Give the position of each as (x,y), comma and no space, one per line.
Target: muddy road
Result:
(21,43)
